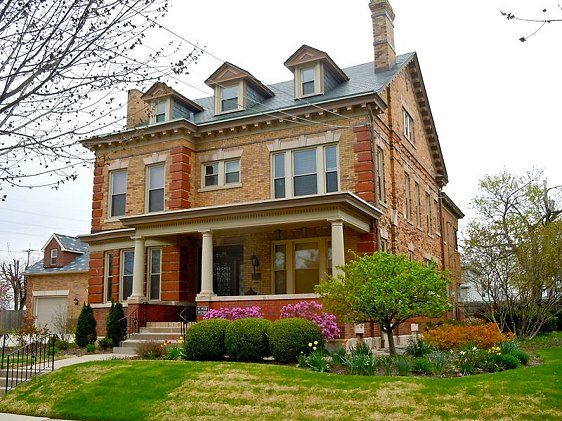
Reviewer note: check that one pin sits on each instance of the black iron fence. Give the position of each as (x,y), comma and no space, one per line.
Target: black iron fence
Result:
(187,316)
(136,319)
(26,361)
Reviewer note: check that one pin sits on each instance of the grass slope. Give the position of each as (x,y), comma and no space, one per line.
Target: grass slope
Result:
(165,390)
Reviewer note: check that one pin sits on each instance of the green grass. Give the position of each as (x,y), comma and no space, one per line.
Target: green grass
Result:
(172,390)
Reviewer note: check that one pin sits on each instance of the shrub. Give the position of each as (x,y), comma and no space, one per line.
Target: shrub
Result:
(403,365)
(523,357)
(61,345)
(439,362)
(311,310)
(150,350)
(448,336)
(418,348)
(289,337)
(247,339)
(234,313)
(86,327)
(507,361)
(90,347)
(421,365)
(205,340)
(116,326)
(105,343)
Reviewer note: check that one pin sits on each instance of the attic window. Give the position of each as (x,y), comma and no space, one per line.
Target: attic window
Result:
(160,111)
(54,255)
(308,81)
(229,98)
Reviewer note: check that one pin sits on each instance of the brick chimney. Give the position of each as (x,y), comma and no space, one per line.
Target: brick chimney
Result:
(138,111)
(383,34)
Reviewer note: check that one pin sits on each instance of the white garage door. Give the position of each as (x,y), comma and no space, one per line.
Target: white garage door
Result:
(49,310)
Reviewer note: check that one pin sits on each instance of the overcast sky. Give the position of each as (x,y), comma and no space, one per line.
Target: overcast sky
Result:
(495,100)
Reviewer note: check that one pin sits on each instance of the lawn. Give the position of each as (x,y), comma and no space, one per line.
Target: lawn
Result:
(174,390)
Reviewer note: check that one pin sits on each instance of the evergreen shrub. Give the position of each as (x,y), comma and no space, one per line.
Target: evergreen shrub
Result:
(86,327)
(288,338)
(247,339)
(205,340)
(116,325)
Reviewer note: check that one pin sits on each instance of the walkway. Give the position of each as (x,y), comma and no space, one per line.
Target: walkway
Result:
(60,364)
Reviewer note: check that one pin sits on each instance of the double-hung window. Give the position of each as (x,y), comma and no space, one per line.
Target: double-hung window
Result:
(154,270)
(380,175)
(304,172)
(408,126)
(221,174)
(160,109)
(230,98)
(418,204)
(408,193)
(118,193)
(156,177)
(54,256)
(108,276)
(428,212)
(308,81)
(127,264)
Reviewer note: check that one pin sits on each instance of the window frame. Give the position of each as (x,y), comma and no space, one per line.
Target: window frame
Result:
(151,275)
(160,117)
(317,81)
(113,194)
(149,190)
(324,262)
(221,174)
(381,181)
(408,123)
(428,217)
(407,197)
(108,276)
(123,275)
(220,100)
(417,192)
(288,176)
(54,255)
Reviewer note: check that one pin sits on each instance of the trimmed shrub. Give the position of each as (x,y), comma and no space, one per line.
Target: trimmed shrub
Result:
(86,327)
(116,325)
(205,340)
(104,343)
(289,337)
(507,361)
(247,339)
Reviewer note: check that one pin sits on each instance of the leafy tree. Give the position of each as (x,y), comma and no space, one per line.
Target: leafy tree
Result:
(116,324)
(86,327)
(13,283)
(62,65)
(386,289)
(512,250)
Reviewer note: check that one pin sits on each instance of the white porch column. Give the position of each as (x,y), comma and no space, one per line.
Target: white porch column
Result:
(206,266)
(138,271)
(338,246)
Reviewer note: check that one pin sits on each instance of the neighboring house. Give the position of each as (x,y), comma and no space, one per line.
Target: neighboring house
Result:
(57,285)
(253,195)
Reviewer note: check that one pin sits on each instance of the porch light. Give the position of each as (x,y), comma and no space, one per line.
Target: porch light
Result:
(76,301)
(255,263)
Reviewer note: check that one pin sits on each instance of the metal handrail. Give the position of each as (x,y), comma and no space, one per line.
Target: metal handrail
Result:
(29,360)
(187,316)
(136,319)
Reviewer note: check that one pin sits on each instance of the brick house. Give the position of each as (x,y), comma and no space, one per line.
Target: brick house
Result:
(57,285)
(251,196)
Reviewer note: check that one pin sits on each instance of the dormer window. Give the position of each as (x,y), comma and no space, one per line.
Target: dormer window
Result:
(160,109)
(230,98)
(54,256)
(308,81)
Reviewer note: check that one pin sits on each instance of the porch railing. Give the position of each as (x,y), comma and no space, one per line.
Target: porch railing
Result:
(27,361)
(136,319)
(187,317)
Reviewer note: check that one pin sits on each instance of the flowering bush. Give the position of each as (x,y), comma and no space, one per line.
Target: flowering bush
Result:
(311,310)
(452,336)
(234,313)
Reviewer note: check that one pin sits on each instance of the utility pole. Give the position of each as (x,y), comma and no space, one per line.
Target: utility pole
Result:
(28,251)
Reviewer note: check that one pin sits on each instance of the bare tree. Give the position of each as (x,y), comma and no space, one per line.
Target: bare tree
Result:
(541,22)
(63,65)
(11,277)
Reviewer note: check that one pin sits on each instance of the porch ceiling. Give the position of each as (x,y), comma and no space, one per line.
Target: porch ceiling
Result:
(278,213)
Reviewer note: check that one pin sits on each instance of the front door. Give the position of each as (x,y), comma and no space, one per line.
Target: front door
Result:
(227,266)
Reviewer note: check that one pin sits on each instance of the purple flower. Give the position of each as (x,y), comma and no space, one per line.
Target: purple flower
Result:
(311,310)
(234,313)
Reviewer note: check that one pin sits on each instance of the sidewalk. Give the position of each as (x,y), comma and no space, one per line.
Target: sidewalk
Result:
(65,363)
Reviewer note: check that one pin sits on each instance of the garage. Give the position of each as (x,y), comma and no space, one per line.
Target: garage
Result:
(49,309)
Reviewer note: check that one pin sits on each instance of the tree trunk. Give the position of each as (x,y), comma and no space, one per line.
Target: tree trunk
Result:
(391,347)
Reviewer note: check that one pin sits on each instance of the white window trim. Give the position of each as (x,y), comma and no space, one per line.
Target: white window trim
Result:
(54,256)
(122,272)
(222,184)
(107,261)
(408,123)
(318,79)
(323,269)
(147,187)
(149,275)
(167,110)
(241,96)
(320,169)
(110,201)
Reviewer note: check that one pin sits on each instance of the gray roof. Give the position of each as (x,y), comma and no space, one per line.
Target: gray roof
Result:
(80,264)
(72,244)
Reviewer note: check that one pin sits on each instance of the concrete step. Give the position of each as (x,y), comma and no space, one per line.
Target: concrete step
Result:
(159,337)
(124,350)
(164,324)
(165,330)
